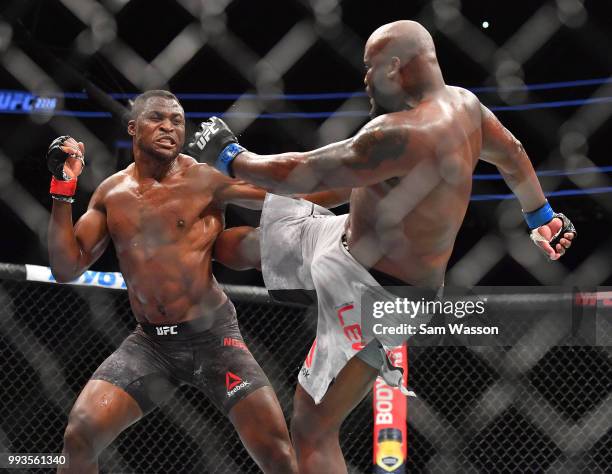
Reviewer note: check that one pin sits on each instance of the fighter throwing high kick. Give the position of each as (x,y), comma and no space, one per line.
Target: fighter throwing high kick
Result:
(411,171)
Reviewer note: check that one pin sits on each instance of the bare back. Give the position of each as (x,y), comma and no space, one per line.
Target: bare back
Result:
(163,232)
(406,226)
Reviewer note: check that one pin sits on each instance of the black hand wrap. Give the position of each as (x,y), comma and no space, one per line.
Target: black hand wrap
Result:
(56,158)
(62,186)
(565,228)
(215,144)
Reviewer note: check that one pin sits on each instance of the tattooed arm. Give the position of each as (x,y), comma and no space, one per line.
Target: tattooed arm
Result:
(378,152)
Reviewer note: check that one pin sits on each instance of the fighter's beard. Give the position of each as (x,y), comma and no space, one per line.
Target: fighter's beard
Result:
(382,105)
(376,110)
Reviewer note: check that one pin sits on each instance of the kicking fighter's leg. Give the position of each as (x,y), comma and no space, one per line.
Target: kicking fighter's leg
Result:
(316,428)
(101,412)
(259,421)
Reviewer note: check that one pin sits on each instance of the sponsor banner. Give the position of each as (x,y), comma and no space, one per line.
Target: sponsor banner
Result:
(89,278)
(487,316)
(24,102)
(390,432)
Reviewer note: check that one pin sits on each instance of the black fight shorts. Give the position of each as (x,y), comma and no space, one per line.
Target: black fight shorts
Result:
(206,353)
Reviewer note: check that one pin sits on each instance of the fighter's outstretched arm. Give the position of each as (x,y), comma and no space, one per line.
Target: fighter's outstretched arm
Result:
(371,156)
(502,149)
(243,194)
(375,154)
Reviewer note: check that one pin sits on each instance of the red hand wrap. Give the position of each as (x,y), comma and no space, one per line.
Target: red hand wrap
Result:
(63,188)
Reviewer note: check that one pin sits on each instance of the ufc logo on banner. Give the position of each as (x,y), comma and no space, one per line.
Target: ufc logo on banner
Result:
(207,132)
(165,330)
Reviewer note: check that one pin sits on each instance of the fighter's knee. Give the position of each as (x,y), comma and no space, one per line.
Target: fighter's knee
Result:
(312,428)
(80,437)
(277,455)
(77,444)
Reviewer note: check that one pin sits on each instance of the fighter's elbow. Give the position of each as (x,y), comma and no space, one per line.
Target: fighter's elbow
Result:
(518,150)
(513,160)
(62,276)
(64,273)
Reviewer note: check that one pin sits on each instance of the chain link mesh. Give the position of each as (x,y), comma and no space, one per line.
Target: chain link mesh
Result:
(478,409)
(53,338)
(485,410)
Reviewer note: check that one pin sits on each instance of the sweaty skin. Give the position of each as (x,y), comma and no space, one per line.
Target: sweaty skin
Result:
(163,233)
(411,173)
(411,165)
(163,214)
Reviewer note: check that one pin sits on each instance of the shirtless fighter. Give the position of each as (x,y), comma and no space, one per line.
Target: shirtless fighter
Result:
(163,213)
(411,171)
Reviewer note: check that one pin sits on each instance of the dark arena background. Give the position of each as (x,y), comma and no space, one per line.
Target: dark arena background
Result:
(288,75)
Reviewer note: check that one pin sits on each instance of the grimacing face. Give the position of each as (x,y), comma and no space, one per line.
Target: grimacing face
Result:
(159,129)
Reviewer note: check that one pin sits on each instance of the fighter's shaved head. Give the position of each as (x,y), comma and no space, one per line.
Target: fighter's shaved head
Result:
(140,101)
(404,39)
(401,65)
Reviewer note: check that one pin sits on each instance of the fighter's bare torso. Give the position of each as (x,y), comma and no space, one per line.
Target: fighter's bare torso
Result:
(413,220)
(163,232)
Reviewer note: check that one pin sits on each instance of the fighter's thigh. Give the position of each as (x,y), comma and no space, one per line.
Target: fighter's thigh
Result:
(258,417)
(349,388)
(102,411)
(226,370)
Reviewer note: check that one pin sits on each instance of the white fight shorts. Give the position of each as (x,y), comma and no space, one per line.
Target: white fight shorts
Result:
(301,248)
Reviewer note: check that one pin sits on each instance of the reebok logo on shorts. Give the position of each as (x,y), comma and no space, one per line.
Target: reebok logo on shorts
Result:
(233,383)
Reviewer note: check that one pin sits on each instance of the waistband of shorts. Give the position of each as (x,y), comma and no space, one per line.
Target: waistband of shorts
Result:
(224,315)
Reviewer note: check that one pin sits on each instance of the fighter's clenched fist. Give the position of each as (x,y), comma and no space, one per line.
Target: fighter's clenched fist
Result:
(551,231)
(215,144)
(65,160)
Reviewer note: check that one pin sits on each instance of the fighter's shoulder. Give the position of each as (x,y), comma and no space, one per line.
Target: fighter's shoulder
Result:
(192,167)
(385,133)
(465,94)
(113,181)
(469,100)
(106,187)
(203,172)
(388,123)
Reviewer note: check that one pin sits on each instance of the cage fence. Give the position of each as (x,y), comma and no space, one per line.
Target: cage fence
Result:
(526,408)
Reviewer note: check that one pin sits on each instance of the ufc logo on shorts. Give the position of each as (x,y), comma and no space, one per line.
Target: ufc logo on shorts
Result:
(207,132)
(165,330)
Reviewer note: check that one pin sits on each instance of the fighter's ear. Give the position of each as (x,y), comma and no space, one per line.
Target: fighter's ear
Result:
(394,67)
(131,127)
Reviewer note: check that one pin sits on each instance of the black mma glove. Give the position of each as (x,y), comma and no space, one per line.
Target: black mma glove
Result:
(215,144)
(539,222)
(63,184)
